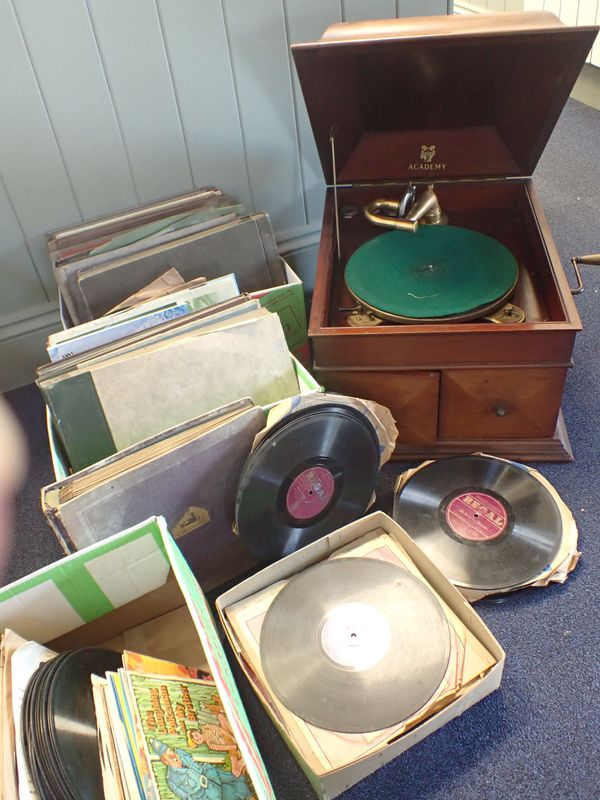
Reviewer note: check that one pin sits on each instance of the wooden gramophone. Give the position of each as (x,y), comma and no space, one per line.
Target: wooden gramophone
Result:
(440,121)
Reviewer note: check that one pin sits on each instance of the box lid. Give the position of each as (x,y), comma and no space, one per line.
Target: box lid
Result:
(439,98)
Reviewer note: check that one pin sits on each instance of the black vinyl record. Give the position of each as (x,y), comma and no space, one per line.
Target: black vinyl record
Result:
(486,523)
(314,472)
(59,725)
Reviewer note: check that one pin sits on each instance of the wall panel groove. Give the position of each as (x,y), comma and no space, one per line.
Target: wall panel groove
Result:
(294,108)
(44,106)
(111,101)
(173,87)
(252,205)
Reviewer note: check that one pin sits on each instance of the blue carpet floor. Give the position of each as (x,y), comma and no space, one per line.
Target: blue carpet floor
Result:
(538,736)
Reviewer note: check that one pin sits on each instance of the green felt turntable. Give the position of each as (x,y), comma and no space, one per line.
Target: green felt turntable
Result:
(438,273)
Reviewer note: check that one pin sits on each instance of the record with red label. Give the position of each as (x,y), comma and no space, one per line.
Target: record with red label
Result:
(314,472)
(486,523)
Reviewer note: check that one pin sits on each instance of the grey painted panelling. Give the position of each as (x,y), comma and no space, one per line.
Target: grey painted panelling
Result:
(410,8)
(21,286)
(262,75)
(31,163)
(75,92)
(307,19)
(133,52)
(354,10)
(21,353)
(196,43)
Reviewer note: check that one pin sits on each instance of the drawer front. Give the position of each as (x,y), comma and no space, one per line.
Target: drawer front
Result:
(500,403)
(412,397)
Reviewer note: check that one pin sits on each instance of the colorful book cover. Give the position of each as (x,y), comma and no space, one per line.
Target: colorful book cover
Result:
(186,740)
(137,662)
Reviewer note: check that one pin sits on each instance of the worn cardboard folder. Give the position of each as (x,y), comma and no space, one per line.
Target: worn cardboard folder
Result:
(213,316)
(131,591)
(245,246)
(188,474)
(149,234)
(102,406)
(112,224)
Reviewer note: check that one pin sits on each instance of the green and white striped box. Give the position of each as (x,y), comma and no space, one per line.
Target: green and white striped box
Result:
(71,597)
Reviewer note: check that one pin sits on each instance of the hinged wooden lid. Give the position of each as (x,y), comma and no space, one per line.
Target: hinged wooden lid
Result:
(439,98)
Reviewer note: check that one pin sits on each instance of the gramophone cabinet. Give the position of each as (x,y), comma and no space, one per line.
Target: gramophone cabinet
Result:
(466,103)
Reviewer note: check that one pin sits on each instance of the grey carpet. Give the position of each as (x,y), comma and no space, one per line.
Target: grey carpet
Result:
(536,737)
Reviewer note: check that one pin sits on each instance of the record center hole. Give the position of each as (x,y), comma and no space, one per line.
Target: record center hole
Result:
(476,515)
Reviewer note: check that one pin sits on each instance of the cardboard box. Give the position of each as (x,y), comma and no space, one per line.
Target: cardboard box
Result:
(330,784)
(288,302)
(192,485)
(130,590)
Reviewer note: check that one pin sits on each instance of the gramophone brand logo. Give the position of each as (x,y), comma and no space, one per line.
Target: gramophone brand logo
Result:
(427,164)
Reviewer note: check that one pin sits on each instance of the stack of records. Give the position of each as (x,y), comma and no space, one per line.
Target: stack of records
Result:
(354,651)
(490,525)
(98,264)
(59,725)
(167,316)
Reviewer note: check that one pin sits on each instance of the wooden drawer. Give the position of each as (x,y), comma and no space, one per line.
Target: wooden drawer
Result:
(412,397)
(500,403)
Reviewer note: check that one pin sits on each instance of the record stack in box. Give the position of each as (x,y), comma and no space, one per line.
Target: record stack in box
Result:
(180,319)
(91,723)
(163,324)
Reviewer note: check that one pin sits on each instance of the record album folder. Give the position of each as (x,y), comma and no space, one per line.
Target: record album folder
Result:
(192,484)
(246,245)
(101,408)
(330,784)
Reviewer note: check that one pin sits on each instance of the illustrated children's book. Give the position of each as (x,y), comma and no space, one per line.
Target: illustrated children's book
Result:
(184,738)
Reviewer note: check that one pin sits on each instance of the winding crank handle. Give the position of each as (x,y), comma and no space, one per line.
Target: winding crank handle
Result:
(592,260)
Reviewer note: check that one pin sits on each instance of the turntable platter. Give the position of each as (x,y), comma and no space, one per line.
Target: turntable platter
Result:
(439,273)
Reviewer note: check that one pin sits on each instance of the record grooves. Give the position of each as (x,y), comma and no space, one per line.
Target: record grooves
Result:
(59,725)
(486,523)
(314,472)
(355,644)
